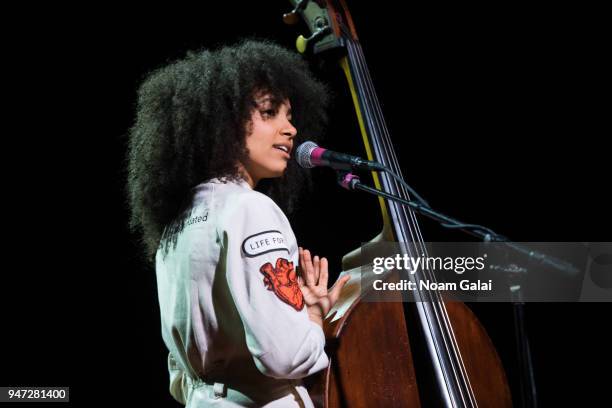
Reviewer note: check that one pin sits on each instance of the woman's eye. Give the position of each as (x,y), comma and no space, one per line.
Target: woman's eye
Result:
(269,112)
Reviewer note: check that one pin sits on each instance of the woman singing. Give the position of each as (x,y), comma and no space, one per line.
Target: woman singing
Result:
(241,323)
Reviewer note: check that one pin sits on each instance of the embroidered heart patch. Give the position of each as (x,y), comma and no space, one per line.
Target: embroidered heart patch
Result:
(282,279)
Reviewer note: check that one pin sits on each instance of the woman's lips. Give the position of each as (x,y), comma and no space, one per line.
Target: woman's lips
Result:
(280,149)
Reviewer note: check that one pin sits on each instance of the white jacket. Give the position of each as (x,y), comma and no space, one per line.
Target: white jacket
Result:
(232,314)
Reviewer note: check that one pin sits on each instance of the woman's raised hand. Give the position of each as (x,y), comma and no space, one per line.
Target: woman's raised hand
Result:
(313,283)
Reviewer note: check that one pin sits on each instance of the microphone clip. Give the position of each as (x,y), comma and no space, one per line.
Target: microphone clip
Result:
(348,180)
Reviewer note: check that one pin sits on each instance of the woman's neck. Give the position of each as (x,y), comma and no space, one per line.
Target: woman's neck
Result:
(247,176)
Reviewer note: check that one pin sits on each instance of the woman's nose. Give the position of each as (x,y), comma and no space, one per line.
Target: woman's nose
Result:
(289,130)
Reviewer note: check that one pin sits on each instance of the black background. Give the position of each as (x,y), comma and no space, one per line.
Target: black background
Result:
(497,115)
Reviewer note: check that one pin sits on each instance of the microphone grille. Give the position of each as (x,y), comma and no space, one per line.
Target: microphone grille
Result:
(303,152)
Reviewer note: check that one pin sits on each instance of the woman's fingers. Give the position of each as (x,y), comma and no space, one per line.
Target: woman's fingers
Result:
(302,274)
(323,275)
(315,275)
(308,268)
(314,269)
(334,292)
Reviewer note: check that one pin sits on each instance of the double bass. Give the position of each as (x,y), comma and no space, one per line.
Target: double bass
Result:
(372,344)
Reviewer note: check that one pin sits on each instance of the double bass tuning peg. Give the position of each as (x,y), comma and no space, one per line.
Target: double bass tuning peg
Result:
(321,27)
(302,42)
(293,17)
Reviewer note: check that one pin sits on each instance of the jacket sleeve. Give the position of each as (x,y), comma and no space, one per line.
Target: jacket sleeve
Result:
(262,279)
(177,376)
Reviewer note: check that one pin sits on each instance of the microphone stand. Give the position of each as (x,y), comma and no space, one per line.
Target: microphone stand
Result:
(352,182)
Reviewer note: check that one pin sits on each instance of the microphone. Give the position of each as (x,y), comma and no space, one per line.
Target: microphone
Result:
(309,155)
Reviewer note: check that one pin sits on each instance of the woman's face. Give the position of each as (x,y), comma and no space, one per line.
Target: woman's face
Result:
(270,142)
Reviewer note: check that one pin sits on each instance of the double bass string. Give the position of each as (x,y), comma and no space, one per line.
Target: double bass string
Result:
(419,242)
(361,70)
(381,129)
(423,250)
(389,158)
(437,305)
